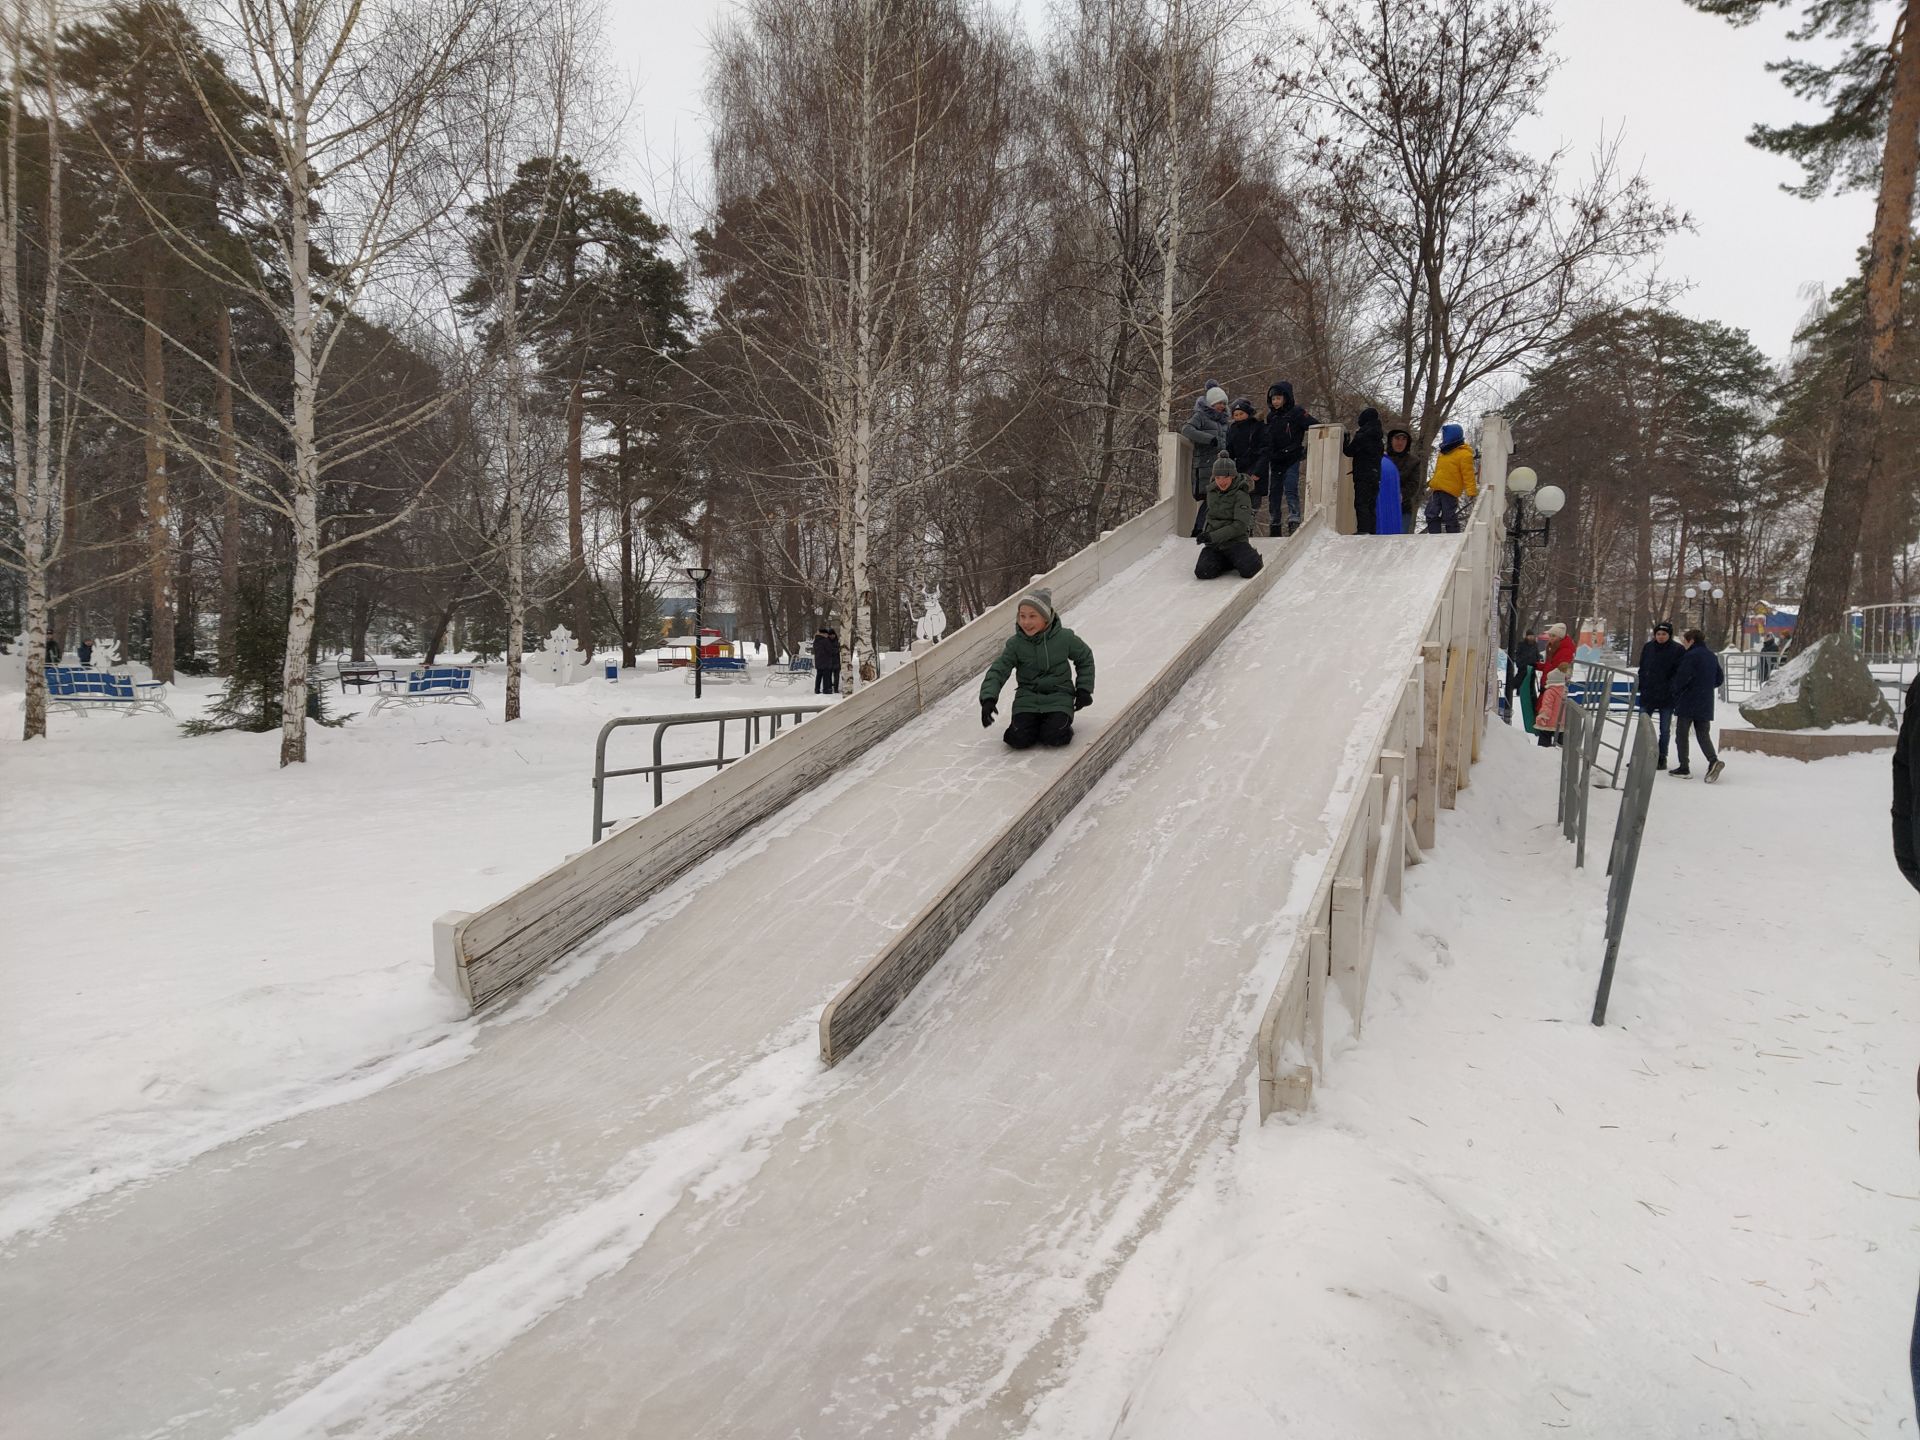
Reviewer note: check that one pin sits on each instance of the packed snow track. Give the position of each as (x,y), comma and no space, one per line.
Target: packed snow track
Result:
(643,1208)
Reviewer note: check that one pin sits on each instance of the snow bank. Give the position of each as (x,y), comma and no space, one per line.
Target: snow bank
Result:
(1498,1220)
(200,943)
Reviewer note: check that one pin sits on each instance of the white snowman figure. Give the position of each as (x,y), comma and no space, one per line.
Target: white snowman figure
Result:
(561,658)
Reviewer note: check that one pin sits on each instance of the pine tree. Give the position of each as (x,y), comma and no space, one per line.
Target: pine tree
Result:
(252,699)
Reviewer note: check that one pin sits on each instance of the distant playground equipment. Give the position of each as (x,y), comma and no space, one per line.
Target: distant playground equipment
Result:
(676,652)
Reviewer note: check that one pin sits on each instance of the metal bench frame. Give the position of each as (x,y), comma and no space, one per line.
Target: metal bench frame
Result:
(436,685)
(722,670)
(78,689)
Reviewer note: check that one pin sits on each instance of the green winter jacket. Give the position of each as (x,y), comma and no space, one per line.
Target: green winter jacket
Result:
(1050,666)
(1229,513)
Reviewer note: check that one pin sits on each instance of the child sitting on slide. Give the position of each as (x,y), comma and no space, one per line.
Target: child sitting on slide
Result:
(1055,671)
(1227,523)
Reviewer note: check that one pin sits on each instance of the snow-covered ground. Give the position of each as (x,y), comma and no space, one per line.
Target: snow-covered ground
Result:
(1700,1220)
(198,942)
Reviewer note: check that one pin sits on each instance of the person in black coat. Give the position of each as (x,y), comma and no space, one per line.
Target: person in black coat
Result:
(1287,425)
(1365,447)
(1659,664)
(826,661)
(1694,684)
(1247,445)
(1906,813)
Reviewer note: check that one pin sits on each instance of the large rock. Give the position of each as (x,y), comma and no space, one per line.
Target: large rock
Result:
(1828,685)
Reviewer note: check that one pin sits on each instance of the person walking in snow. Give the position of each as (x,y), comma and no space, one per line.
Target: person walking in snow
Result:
(1365,447)
(1556,672)
(1769,657)
(1247,444)
(1054,669)
(1207,428)
(1400,452)
(1659,663)
(1453,481)
(1287,425)
(1226,536)
(1694,683)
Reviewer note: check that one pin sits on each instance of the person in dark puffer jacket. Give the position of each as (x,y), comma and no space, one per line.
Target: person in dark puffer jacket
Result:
(1659,664)
(1054,668)
(1365,447)
(1694,682)
(1247,444)
(1228,528)
(1287,425)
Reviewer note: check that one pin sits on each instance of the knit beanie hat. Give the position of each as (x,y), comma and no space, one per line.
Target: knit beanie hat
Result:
(1243,404)
(1556,631)
(1666,625)
(1216,396)
(1041,600)
(1225,466)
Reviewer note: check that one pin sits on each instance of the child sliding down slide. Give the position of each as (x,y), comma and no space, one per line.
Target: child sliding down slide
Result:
(1055,672)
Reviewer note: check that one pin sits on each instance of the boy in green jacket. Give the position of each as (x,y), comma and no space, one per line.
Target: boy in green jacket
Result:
(1055,670)
(1229,523)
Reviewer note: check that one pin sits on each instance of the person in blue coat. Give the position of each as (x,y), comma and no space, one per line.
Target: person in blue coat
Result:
(1694,684)
(1659,663)
(1386,514)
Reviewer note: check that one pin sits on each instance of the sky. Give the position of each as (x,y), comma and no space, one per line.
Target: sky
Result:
(1681,88)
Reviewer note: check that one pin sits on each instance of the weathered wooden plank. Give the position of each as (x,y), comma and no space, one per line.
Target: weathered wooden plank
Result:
(1427,761)
(1287,1062)
(878,990)
(492,951)
(1344,941)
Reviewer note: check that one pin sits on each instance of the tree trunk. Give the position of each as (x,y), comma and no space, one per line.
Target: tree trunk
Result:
(229,482)
(159,517)
(306,461)
(579,601)
(629,620)
(516,532)
(1854,478)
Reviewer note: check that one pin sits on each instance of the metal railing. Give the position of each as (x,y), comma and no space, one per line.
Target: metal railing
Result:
(1611,709)
(750,735)
(1624,860)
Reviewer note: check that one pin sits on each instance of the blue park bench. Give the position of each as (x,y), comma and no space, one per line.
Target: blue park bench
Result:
(799,668)
(70,687)
(436,685)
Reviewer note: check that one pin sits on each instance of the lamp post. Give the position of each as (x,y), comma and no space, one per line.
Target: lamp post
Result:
(698,574)
(1704,592)
(1548,501)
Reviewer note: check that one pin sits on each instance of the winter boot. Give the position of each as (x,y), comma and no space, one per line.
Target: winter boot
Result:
(1661,763)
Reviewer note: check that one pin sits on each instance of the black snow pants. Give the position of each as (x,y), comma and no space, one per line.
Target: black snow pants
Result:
(1216,560)
(1053,728)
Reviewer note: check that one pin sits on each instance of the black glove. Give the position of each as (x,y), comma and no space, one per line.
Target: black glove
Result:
(1082,698)
(987,707)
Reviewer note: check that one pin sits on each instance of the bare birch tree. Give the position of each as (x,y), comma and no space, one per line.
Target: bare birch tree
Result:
(32,245)
(360,111)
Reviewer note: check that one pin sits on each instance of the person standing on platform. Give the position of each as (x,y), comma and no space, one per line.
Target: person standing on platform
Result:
(1453,481)
(1287,425)
(1400,451)
(1365,447)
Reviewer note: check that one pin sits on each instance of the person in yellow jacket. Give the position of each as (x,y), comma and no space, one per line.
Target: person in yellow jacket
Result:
(1453,481)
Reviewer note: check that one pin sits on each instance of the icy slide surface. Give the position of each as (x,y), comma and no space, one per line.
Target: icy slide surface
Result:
(643,1209)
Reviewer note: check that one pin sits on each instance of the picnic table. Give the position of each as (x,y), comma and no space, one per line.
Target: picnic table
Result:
(362,673)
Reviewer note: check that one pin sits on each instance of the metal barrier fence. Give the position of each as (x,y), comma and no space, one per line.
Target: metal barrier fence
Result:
(1624,861)
(1610,696)
(750,736)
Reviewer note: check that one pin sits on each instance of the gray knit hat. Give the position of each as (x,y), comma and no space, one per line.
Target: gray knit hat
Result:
(1041,600)
(1225,466)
